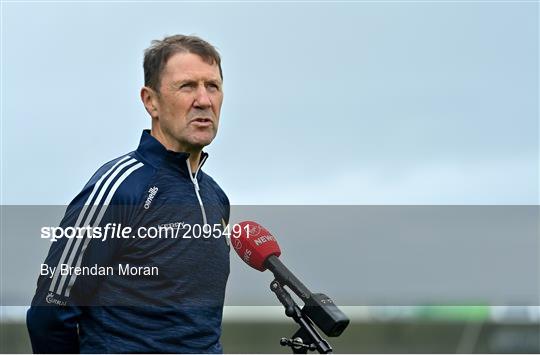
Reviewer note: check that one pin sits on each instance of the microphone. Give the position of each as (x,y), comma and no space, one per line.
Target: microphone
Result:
(260,250)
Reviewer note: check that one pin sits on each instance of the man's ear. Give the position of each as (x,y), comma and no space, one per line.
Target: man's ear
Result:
(149,99)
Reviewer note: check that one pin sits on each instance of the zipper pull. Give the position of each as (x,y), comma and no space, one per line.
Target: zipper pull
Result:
(196,184)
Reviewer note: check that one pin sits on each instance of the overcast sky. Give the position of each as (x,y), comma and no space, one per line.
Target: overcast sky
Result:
(325,103)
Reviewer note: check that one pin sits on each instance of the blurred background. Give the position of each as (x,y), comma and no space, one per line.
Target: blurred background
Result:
(375,108)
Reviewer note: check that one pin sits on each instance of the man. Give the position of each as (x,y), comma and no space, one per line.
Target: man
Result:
(171,300)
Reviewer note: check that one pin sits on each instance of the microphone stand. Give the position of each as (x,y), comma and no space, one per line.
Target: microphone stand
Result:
(307,337)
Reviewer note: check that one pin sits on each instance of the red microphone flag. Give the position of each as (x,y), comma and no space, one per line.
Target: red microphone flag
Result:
(254,244)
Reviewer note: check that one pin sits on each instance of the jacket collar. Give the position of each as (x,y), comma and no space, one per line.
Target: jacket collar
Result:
(153,152)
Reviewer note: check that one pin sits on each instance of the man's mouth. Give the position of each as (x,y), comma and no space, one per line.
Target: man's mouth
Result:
(202,122)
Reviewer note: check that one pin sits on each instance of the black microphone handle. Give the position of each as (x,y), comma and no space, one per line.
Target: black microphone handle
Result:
(286,277)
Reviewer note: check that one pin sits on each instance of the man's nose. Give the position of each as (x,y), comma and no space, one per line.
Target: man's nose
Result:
(202,100)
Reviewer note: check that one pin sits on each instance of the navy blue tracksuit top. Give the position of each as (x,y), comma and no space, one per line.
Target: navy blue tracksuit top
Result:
(175,308)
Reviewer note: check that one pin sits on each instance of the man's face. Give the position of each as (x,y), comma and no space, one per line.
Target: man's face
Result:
(189,103)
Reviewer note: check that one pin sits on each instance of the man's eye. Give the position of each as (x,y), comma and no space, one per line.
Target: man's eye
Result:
(186,86)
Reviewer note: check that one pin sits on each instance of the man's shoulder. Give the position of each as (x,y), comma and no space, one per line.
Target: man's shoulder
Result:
(122,180)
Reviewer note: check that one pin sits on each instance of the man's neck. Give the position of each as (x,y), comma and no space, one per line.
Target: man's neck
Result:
(194,159)
(169,144)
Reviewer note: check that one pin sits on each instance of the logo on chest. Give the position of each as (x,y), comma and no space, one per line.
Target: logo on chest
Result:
(151,194)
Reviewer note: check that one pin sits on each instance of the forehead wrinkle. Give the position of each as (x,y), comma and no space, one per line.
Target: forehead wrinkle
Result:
(183,76)
(181,69)
(187,78)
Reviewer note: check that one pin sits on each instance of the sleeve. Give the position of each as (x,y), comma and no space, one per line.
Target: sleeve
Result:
(61,295)
(227,209)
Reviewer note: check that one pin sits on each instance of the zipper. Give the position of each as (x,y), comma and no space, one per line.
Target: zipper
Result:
(196,186)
